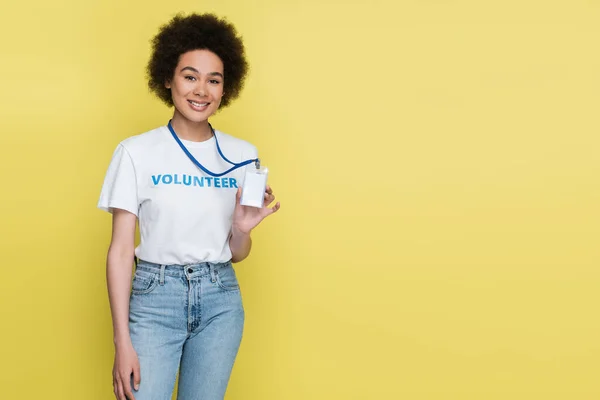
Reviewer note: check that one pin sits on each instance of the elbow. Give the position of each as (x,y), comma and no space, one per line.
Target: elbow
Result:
(119,254)
(236,258)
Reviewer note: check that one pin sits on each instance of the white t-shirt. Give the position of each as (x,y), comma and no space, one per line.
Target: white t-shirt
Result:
(184,214)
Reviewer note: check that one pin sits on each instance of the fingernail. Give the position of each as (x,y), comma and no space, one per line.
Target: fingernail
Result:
(136,387)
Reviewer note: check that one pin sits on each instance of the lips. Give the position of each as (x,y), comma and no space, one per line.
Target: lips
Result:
(198,106)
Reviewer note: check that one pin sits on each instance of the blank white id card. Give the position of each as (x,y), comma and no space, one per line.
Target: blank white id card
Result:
(255,184)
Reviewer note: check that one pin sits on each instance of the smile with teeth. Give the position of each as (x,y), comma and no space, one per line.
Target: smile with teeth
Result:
(196,104)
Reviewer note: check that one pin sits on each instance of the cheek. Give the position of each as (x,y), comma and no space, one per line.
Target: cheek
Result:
(182,87)
(219,100)
(218,92)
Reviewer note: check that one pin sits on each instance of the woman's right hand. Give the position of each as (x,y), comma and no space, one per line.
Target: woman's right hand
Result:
(126,363)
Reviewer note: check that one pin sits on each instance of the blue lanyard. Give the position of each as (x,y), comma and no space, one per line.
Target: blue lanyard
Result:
(191,157)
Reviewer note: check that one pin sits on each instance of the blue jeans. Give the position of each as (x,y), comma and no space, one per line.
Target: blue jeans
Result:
(189,318)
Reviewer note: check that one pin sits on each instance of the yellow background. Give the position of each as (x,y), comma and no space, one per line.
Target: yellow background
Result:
(437,163)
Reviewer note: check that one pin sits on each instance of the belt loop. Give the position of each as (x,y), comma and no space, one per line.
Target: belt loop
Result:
(213,276)
(162,275)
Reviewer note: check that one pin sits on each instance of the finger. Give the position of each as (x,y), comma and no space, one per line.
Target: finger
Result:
(238,195)
(269,198)
(116,383)
(269,190)
(120,393)
(127,387)
(272,210)
(137,378)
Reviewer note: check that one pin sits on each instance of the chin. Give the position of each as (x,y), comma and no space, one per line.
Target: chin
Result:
(197,117)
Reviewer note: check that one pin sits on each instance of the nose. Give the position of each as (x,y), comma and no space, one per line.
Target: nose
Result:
(200,89)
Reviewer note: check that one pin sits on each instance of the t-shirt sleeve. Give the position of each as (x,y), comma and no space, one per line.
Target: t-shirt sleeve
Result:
(120,185)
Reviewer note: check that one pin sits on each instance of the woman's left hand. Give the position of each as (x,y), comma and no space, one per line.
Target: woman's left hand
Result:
(246,218)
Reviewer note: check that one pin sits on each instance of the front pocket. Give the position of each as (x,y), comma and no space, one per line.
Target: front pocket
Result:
(143,282)
(226,279)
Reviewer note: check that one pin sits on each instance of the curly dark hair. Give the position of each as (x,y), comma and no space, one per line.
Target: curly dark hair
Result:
(197,32)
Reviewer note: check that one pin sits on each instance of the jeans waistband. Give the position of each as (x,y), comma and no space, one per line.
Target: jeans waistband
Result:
(197,269)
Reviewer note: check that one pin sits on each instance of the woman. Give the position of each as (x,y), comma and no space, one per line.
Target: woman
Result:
(183,310)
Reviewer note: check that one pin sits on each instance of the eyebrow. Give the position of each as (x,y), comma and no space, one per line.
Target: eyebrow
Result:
(198,72)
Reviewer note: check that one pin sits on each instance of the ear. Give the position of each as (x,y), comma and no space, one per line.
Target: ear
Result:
(168,84)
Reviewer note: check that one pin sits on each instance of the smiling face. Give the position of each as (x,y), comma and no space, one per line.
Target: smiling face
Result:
(197,85)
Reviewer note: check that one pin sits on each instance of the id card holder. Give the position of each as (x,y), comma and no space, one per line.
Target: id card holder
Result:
(255,184)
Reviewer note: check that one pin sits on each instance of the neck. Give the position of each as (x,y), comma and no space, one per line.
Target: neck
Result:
(190,130)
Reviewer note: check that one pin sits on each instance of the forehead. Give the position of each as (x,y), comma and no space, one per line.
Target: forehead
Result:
(202,60)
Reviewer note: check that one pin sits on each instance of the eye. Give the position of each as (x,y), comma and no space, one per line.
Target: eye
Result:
(190,78)
(214,81)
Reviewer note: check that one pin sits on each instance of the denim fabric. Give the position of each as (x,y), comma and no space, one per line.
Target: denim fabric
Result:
(189,318)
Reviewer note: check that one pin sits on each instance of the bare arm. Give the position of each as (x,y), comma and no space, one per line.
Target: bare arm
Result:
(118,272)
(118,276)
(240,244)
(244,220)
